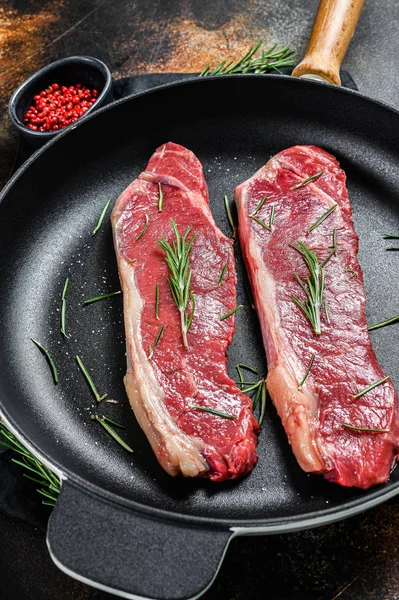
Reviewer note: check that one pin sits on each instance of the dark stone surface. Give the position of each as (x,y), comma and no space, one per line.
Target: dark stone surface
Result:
(355,559)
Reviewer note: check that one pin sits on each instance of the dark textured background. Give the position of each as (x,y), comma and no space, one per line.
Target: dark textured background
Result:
(355,559)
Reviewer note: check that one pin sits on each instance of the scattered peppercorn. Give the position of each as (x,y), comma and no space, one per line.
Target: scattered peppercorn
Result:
(58,106)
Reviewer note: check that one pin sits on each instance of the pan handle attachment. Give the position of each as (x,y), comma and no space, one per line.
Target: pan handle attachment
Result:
(332,32)
(132,554)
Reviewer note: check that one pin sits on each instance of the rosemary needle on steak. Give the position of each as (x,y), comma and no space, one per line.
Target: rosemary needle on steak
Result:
(177,256)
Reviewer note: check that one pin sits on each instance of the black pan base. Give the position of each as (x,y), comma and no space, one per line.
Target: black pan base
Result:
(47,215)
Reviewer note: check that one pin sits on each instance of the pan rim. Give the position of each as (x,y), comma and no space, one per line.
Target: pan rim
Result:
(240,526)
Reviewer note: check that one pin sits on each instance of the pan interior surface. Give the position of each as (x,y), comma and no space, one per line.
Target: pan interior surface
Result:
(234,125)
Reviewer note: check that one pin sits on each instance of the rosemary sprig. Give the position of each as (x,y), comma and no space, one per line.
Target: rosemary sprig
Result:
(142,232)
(384,323)
(160,197)
(89,380)
(322,218)
(178,260)
(213,411)
(229,215)
(307,180)
(350,271)
(63,307)
(315,286)
(307,371)
(102,297)
(49,360)
(49,482)
(222,274)
(158,337)
(371,387)
(260,222)
(112,432)
(157,301)
(101,219)
(231,312)
(269,60)
(354,428)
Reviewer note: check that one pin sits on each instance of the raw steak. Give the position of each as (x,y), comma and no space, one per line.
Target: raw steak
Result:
(163,390)
(317,414)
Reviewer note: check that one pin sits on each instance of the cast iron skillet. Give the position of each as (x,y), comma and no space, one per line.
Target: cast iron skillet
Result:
(121,523)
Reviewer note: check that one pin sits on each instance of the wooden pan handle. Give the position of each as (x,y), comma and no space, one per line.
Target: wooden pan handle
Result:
(333,28)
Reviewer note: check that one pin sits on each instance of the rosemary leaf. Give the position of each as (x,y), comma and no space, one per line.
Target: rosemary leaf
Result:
(213,411)
(350,271)
(103,297)
(371,387)
(257,396)
(307,371)
(269,60)
(112,432)
(392,248)
(111,422)
(238,367)
(272,212)
(130,262)
(262,403)
(101,219)
(366,429)
(383,323)
(89,380)
(229,215)
(49,359)
(308,180)
(391,237)
(231,312)
(177,256)
(63,307)
(252,387)
(326,312)
(222,274)
(247,368)
(158,337)
(261,203)
(142,232)
(160,197)
(157,301)
(322,218)
(264,225)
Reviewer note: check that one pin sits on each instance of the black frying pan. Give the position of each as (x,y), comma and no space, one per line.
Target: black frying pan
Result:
(121,523)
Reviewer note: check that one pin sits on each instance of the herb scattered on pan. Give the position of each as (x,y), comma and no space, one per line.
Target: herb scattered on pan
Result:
(231,312)
(101,219)
(306,181)
(160,197)
(366,429)
(247,368)
(229,215)
(177,256)
(89,380)
(371,387)
(49,360)
(102,297)
(105,422)
(213,411)
(314,287)
(142,232)
(350,271)
(248,292)
(392,248)
(222,274)
(50,484)
(259,386)
(384,323)
(267,61)
(307,371)
(387,236)
(157,301)
(158,337)
(63,307)
(322,218)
